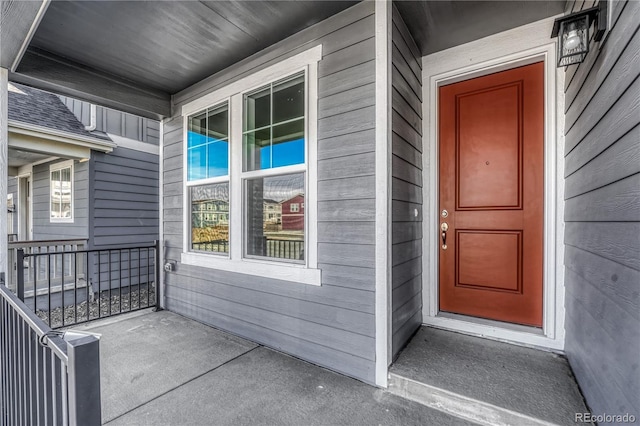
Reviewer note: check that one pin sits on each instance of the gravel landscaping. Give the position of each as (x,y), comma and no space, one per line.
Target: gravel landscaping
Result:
(100,307)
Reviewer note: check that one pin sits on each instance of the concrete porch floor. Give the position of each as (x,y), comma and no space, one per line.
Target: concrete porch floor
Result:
(486,381)
(158,368)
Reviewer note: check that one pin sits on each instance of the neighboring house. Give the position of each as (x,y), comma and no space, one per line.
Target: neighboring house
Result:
(452,174)
(272,212)
(293,213)
(80,172)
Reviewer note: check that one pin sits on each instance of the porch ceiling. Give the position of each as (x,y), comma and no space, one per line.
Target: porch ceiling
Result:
(439,25)
(133,55)
(18,157)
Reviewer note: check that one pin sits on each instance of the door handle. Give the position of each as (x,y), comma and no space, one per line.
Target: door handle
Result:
(444,228)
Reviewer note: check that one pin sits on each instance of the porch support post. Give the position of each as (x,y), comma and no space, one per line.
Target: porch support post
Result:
(4,170)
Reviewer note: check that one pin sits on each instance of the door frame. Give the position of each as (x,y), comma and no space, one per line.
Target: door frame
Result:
(25,172)
(520,46)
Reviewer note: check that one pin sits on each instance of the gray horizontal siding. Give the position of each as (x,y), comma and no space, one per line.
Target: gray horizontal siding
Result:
(332,325)
(125,198)
(406,171)
(43,228)
(602,214)
(116,122)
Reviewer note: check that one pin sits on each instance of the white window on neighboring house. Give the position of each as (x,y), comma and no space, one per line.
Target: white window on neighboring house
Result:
(294,207)
(249,145)
(61,192)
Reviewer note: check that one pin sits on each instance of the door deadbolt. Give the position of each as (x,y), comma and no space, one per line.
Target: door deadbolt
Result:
(444,213)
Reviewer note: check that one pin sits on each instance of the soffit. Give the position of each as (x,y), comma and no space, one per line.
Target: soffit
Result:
(439,25)
(169,45)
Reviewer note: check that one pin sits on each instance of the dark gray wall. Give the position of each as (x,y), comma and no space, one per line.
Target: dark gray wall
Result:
(406,171)
(43,228)
(602,214)
(331,325)
(115,122)
(124,198)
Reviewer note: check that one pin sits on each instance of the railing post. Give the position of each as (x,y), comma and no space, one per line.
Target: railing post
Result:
(20,274)
(84,381)
(157,277)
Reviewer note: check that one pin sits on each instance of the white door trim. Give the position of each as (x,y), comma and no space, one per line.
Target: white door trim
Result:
(513,48)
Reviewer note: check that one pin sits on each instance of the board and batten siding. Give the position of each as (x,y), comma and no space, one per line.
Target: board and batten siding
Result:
(115,122)
(406,189)
(43,228)
(602,215)
(124,198)
(332,325)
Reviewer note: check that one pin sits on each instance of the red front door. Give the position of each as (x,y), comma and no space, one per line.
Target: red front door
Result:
(491,138)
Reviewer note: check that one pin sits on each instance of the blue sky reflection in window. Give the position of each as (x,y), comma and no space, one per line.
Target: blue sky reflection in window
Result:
(208,143)
(274,125)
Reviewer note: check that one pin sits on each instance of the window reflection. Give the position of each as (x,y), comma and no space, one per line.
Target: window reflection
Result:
(275,217)
(208,143)
(61,193)
(274,120)
(210,218)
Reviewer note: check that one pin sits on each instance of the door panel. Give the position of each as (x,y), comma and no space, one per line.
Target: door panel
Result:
(491,139)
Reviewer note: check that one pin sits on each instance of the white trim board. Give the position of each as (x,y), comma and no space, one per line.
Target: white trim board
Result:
(509,49)
(161,279)
(136,145)
(4,167)
(383,335)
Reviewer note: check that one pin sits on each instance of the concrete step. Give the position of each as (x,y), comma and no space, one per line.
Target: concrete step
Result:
(486,382)
(457,405)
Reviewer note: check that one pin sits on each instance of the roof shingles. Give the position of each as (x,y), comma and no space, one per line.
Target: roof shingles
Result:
(36,107)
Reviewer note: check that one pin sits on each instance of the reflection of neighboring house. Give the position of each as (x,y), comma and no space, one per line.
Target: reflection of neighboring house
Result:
(293,213)
(207,213)
(272,212)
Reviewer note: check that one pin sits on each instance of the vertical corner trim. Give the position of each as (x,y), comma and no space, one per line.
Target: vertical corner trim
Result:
(383,13)
(4,162)
(161,284)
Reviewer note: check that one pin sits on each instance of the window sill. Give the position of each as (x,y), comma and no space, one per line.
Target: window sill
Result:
(61,220)
(284,272)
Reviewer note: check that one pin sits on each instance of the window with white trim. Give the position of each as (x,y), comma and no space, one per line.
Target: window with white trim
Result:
(61,192)
(250,157)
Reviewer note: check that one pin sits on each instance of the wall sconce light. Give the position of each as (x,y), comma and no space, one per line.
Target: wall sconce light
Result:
(573,33)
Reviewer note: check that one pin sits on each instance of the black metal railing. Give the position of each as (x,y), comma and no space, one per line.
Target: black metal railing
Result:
(37,274)
(280,249)
(46,377)
(217,246)
(89,284)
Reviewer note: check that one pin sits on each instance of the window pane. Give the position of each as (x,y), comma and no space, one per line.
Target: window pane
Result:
(197,162)
(288,144)
(218,158)
(197,130)
(56,195)
(218,122)
(288,99)
(208,144)
(257,109)
(65,189)
(257,150)
(210,218)
(273,228)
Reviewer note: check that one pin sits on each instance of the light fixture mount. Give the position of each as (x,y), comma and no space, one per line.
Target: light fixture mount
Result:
(573,33)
